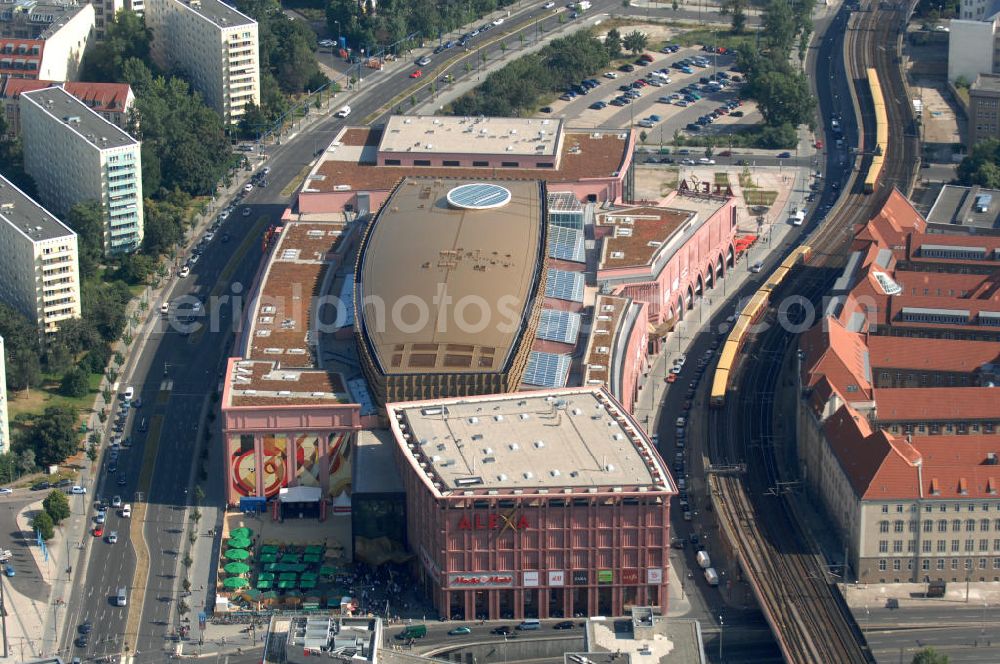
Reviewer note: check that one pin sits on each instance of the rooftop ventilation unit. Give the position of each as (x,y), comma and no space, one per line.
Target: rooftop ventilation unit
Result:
(539,444)
(555,472)
(528,474)
(513,447)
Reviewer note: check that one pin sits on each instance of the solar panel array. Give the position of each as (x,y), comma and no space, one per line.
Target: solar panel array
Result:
(564,285)
(566,244)
(478,195)
(561,326)
(547,369)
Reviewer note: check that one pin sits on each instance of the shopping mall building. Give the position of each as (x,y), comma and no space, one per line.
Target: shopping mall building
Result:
(533,505)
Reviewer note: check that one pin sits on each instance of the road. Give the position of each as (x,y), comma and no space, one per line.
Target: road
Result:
(175,374)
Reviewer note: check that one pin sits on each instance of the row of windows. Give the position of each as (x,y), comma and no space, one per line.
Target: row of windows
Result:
(943,507)
(936,429)
(475,164)
(942,526)
(21,49)
(940,547)
(939,564)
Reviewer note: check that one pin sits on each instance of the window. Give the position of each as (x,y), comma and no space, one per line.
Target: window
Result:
(968,563)
(883,546)
(913,526)
(942,526)
(928,526)
(942,546)
(956,525)
(881,565)
(970,545)
(970,525)
(897,526)
(895,565)
(392,162)
(546,164)
(911,546)
(971,507)
(510,164)
(996,563)
(899,509)
(954,564)
(925,565)
(940,564)
(481,164)
(926,546)
(897,546)
(996,545)
(451,162)
(954,546)
(984,545)
(996,524)
(883,526)
(984,525)
(885,509)
(421,162)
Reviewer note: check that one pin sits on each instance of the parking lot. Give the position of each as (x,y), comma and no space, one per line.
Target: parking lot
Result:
(676,114)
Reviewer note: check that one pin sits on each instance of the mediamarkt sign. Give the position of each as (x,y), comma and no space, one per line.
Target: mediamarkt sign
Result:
(493,522)
(481,580)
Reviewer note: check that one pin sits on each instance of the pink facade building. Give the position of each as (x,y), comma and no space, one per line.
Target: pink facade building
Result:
(534,505)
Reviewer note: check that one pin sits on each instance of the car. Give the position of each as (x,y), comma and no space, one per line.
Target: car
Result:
(325,43)
(628,69)
(224,214)
(566,97)
(416,74)
(113,537)
(458,631)
(165,308)
(195,256)
(610,74)
(784,155)
(81,641)
(99,530)
(85,627)
(424,61)
(209,236)
(756,267)
(549,5)
(101,517)
(6,491)
(575,15)
(343,112)
(8,570)
(503,630)
(676,369)
(565,624)
(671,378)
(545,109)
(41,486)
(127,511)
(818,144)
(122,481)
(737,114)
(707,161)
(616,102)
(498,21)
(646,57)
(246,212)
(598,105)
(225,237)
(116,501)
(185,271)
(78,490)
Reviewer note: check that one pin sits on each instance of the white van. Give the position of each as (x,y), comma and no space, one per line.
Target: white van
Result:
(121,597)
(343,112)
(127,511)
(704,561)
(798,217)
(129,393)
(529,624)
(711,576)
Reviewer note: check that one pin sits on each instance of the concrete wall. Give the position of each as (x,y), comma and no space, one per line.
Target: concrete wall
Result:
(63,51)
(511,650)
(970,49)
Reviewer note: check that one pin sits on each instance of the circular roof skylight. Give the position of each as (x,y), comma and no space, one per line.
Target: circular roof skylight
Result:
(478,196)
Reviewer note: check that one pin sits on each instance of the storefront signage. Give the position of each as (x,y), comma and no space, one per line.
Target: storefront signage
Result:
(654,576)
(605,576)
(580,578)
(630,577)
(705,187)
(557,578)
(530,580)
(499,522)
(481,580)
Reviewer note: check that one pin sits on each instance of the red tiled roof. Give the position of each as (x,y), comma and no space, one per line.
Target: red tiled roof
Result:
(931,354)
(102,97)
(930,404)
(838,354)
(864,454)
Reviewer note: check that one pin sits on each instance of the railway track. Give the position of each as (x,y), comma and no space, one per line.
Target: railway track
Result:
(801,602)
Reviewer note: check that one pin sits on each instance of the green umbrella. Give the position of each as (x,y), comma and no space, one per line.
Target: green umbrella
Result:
(267,548)
(263,584)
(266,576)
(268,557)
(237,554)
(315,548)
(237,568)
(234,582)
(241,532)
(238,542)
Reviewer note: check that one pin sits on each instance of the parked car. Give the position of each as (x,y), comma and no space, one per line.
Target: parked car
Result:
(424,61)
(78,490)
(460,630)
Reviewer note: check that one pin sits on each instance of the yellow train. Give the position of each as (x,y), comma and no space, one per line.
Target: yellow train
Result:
(881,133)
(751,313)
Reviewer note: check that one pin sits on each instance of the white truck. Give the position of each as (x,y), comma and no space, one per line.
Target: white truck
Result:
(797,217)
(704,561)
(711,576)
(582,6)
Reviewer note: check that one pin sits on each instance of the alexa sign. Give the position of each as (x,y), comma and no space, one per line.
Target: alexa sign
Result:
(500,522)
(705,187)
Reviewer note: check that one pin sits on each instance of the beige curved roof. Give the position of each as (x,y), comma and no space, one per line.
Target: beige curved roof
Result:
(486,262)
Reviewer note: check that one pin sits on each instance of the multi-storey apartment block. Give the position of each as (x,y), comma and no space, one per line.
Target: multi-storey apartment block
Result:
(44,40)
(75,155)
(39,274)
(112,101)
(4,419)
(214,46)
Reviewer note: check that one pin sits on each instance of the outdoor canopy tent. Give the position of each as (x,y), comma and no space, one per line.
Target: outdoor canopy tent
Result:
(238,542)
(235,582)
(237,554)
(237,568)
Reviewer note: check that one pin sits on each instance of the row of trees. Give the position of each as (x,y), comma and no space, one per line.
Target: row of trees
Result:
(779,87)
(516,88)
(395,19)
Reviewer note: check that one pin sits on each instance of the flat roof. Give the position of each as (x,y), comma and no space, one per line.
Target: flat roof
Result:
(18,210)
(637,235)
(66,109)
(608,312)
(431,134)
(219,13)
(955,206)
(46,17)
(418,246)
(344,165)
(556,440)
(986,82)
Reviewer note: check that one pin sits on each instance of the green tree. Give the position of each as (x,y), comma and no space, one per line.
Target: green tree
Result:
(135,268)
(125,37)
(613,43)
(635,42)
(164,222)
(92,452)
(75,383)
(929,656)
(53,435)
(56,506)
(87,219)
(42,523)
(739,16)
(778,29)
(982,165)
(24,369)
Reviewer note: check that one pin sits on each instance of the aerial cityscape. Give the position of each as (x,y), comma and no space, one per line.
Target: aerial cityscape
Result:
(498,331)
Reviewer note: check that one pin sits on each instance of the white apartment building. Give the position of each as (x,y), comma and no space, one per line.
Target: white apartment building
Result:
(44,39)
(75,155)
(4,416)
(213,45)
(39,270)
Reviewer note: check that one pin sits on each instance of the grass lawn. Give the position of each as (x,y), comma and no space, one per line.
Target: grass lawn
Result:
(759,197)
(702,36)
(722,178)
(37,399)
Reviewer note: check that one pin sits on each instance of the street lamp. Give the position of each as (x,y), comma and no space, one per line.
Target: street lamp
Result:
(337,23)
(721,625)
